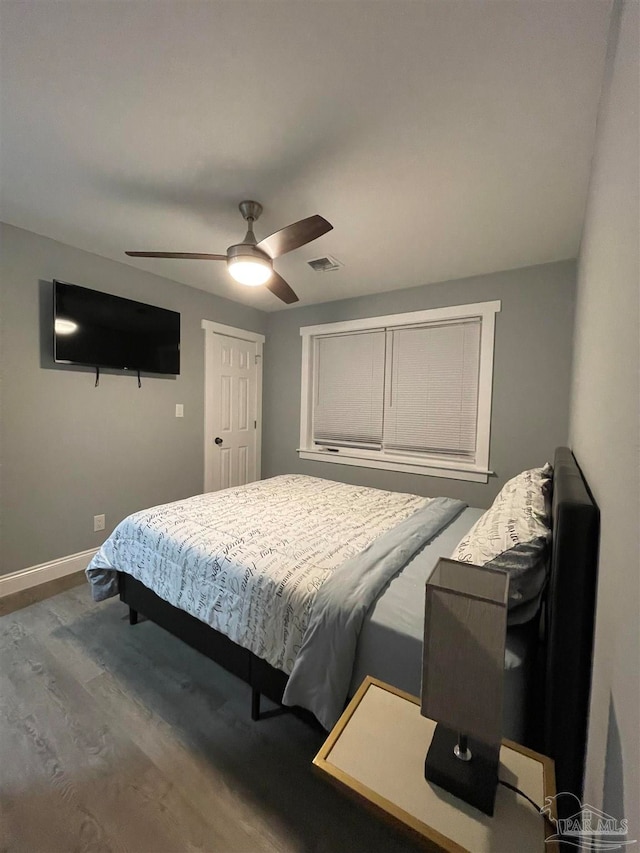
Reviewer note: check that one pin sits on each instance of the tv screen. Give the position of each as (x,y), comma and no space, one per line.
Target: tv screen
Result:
(101,330)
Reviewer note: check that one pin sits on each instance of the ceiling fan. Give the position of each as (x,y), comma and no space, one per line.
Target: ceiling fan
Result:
(250,262)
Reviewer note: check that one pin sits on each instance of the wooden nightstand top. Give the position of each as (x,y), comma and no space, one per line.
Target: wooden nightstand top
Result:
(377,751)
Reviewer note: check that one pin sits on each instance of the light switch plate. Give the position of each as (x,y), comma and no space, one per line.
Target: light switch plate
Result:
(179,410)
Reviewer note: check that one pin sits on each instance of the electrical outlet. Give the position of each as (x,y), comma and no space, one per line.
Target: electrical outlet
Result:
(98,523)
(179,410)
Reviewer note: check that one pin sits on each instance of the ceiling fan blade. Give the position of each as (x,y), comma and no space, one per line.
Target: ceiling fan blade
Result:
(278,286)
(192,256)
(294,236)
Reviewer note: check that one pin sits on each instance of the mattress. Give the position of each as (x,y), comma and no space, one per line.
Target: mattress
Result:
(390,642)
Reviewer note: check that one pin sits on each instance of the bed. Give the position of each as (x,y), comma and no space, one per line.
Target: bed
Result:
(547,660)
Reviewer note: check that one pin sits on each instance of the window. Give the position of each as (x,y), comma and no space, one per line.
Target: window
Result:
(406,392)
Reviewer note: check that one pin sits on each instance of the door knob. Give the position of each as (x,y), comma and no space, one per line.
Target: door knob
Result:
(218,441)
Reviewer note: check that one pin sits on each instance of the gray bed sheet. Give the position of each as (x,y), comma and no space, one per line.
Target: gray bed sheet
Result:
(390,642)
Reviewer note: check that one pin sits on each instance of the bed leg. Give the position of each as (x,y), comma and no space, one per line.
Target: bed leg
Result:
(133,616)
(255,704)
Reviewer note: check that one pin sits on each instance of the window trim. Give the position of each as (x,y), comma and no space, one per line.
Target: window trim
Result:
(477,472)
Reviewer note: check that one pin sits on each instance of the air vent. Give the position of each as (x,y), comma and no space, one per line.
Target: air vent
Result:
(326,264)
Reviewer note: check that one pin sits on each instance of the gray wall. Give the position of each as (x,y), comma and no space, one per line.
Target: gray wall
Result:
(531,375)
(605,422)
(70,451)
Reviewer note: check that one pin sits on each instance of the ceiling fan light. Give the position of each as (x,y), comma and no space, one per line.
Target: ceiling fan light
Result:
(249,270)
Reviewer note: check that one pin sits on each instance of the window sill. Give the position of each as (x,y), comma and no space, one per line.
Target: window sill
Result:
(450,471)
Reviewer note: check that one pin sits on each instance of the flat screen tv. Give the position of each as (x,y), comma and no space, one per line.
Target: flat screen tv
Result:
(101,330)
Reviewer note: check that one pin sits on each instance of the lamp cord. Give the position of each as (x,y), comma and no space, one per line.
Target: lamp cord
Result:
(522,794)
(535,805)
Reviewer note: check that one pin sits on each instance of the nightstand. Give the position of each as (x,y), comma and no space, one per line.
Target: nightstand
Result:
(376,752)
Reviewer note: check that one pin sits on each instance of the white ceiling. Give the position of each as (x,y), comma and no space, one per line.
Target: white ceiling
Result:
(442,138)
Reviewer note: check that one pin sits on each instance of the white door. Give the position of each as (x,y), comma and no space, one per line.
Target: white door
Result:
(232,417)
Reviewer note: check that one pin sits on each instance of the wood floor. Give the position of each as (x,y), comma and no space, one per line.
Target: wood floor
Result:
(120,738)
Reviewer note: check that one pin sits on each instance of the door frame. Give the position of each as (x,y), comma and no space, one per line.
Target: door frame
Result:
(243,335)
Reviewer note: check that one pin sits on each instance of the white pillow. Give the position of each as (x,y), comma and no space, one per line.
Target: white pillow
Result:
(514,535)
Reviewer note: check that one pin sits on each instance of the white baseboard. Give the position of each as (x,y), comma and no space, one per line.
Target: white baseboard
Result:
(35,575)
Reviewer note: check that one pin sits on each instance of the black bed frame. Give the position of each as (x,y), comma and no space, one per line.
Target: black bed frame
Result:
(263,678)
(564,672)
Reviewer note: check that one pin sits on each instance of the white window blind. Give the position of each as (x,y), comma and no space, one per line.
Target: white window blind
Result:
(349,389)
(432,394)
(407,392)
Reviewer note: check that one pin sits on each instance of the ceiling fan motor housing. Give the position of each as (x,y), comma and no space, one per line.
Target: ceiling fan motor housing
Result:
(248,251)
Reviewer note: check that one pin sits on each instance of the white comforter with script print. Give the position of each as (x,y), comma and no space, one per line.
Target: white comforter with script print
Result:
(248,561)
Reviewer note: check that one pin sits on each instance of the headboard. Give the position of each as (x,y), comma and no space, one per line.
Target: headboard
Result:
(569,622)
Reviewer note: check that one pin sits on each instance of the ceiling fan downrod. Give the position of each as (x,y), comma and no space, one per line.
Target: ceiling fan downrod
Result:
(250,211)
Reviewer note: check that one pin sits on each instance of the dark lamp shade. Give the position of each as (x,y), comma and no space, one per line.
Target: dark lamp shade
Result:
(464,641)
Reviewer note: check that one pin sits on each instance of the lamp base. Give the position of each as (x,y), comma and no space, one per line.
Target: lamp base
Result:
(473,781)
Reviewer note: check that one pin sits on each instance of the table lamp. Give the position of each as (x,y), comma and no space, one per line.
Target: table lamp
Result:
(462,678)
